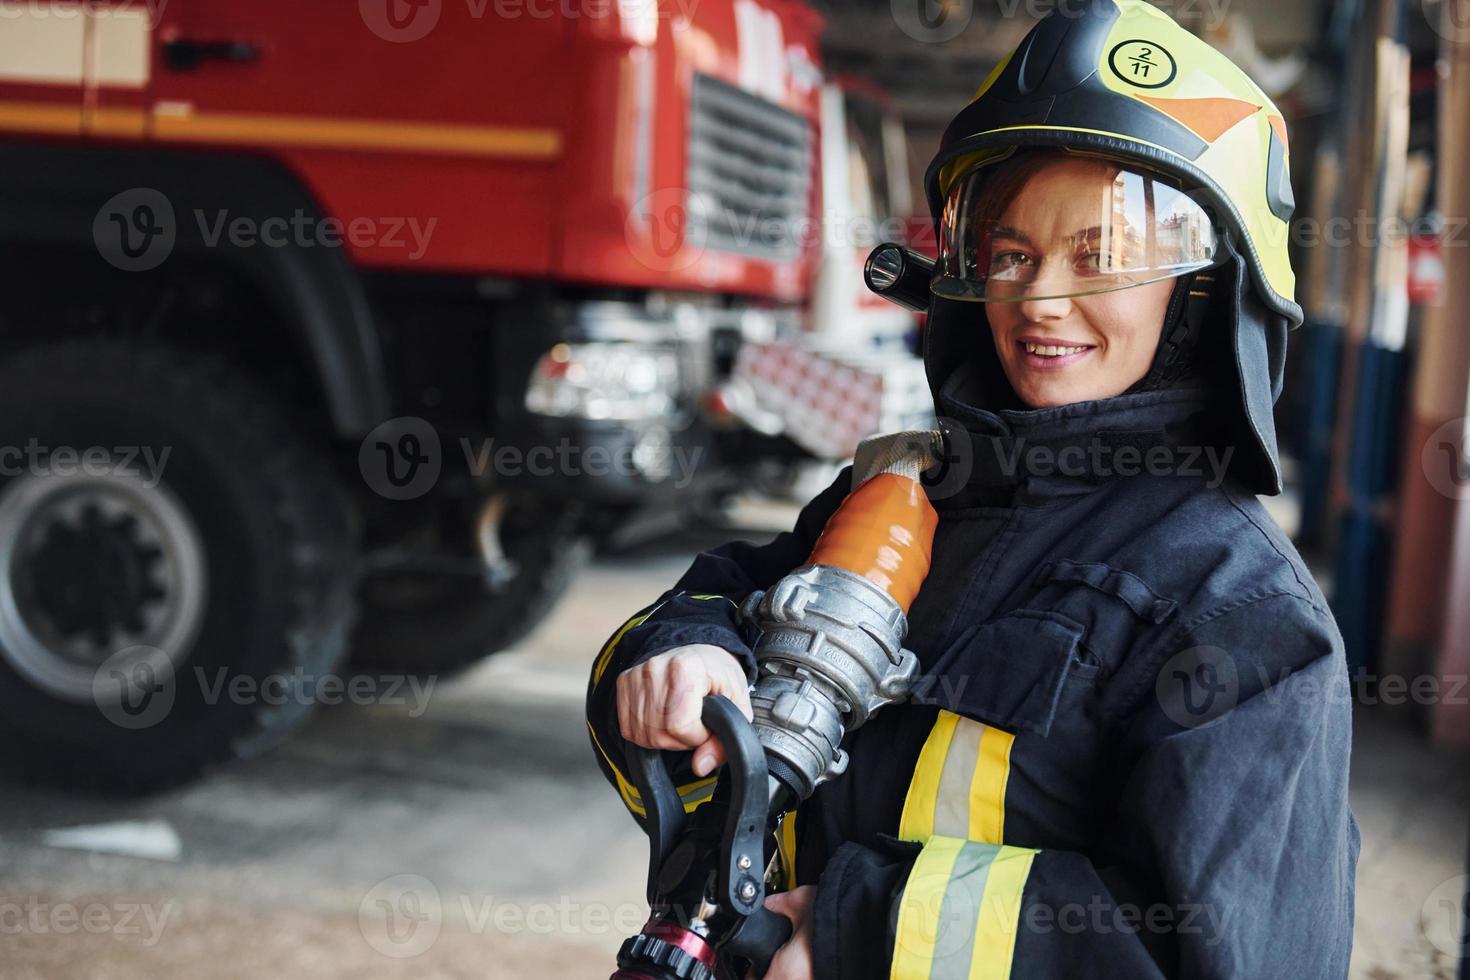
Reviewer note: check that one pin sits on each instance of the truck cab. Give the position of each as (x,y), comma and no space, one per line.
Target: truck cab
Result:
(401,299)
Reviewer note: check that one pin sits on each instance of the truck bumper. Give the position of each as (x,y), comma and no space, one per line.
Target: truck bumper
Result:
(567,424)
(604,462)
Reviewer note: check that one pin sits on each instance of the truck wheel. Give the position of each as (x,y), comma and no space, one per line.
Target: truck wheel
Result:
(175,567)
(430,620)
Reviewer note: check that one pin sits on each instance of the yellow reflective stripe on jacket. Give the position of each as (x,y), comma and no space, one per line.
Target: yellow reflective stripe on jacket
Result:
(697,792)
(692,794)
(605,657)
(625,788)
(959,784)
(786,849)
(960,909)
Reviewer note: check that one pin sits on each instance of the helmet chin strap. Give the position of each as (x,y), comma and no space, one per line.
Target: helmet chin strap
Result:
(1176,359)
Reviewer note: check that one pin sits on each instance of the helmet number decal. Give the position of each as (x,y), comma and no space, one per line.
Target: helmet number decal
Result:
(1142,63)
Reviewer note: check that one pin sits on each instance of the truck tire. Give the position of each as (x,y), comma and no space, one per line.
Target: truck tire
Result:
(437,625)
(158,613)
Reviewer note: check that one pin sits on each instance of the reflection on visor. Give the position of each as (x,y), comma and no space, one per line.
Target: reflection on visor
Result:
(1079,228)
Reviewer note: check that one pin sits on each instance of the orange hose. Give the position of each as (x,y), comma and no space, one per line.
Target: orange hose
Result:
(884,531)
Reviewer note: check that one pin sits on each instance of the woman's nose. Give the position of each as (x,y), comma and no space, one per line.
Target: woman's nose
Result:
(1045,308)
(1048,293)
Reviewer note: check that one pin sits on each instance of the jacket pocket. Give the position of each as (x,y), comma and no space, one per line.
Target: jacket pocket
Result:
(1116,609)
(1146,604)
(1008,672)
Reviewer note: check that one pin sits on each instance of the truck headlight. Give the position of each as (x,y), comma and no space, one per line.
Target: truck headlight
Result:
(604,380)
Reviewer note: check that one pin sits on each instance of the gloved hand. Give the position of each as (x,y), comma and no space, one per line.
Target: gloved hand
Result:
(659,700)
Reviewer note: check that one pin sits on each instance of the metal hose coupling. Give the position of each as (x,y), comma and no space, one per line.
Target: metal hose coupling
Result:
(830,650)
(830,654)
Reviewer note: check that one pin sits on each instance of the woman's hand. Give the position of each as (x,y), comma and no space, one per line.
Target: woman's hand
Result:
(660,700)
(794,960)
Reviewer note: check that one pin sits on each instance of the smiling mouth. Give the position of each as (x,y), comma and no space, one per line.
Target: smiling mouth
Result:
(1054,350)
(1042,355)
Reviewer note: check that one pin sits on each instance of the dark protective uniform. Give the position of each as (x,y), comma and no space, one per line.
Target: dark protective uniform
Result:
(1128,753)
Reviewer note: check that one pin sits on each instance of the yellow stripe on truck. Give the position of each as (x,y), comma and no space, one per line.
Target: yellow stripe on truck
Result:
(116,121)
(249,128)
(363,134)
(41,117)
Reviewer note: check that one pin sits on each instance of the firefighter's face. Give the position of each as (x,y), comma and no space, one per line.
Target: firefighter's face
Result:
(1074,348)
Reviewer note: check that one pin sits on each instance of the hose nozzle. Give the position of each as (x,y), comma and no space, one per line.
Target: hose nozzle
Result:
(831,650)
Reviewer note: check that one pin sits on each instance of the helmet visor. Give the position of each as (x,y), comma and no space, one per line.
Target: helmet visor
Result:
(1084,226)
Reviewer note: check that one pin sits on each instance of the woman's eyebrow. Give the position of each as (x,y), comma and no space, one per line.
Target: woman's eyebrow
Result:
(1006,231)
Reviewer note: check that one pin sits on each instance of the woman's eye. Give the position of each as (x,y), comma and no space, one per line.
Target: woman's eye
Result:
(1089,263)
(1009,265)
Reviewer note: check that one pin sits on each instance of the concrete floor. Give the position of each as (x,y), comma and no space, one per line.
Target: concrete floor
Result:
(478,840)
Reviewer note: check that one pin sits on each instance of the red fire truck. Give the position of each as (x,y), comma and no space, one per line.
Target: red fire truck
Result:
(334,328)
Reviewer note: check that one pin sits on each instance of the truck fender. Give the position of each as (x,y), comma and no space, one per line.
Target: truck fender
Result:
(54,194)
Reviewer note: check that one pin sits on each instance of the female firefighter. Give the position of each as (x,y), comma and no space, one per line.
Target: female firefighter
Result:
(1130,758)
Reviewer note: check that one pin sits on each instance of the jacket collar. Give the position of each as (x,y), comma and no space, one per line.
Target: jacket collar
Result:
(1074,448)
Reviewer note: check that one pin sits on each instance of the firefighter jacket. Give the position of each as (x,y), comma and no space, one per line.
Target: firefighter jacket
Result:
(1127,752)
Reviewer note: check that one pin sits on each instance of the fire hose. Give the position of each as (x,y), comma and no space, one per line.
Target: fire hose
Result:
(829,653)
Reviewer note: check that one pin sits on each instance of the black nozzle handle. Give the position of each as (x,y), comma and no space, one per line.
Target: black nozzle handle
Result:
(741,878)
(899,275)
(663,811)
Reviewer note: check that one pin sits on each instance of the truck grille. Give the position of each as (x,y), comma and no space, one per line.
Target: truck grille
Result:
(750,170)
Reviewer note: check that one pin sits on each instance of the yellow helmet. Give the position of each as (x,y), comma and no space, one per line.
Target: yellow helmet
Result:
(1120,78)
